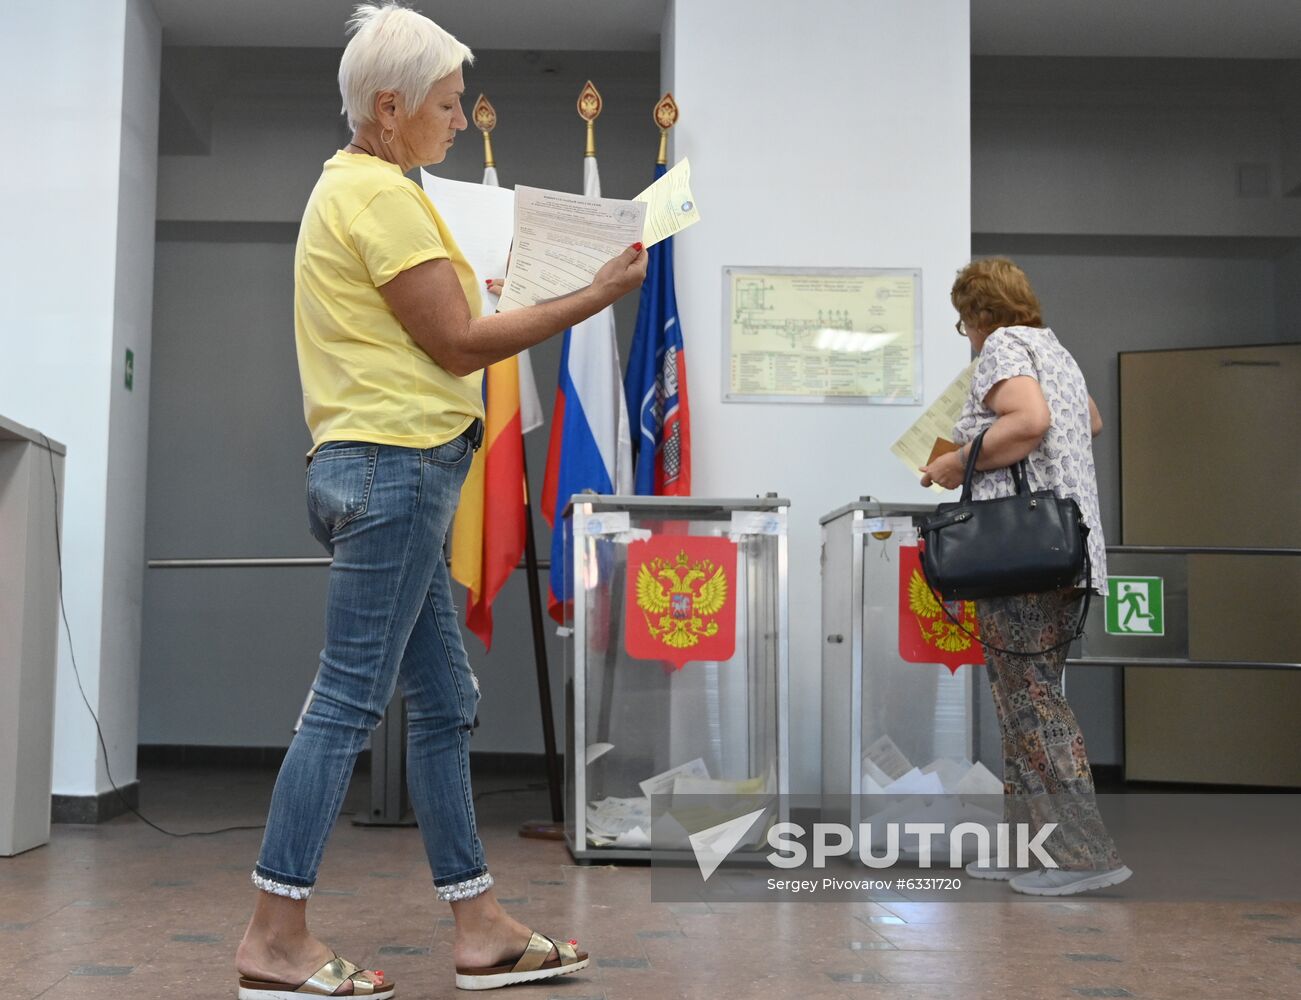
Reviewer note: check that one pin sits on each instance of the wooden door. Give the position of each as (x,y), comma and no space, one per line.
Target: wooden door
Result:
(1211,455)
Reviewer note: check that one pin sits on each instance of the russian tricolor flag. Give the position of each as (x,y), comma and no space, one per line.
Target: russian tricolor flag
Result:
(590,446)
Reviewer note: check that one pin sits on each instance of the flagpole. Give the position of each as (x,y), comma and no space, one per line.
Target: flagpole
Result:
(589,109)
(485,119)
(484,116)
(666,116)
(535,828)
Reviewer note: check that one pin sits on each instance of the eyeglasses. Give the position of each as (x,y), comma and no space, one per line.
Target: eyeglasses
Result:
(961,327)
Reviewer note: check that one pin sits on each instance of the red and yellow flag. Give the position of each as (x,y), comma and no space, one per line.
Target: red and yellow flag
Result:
(488,533)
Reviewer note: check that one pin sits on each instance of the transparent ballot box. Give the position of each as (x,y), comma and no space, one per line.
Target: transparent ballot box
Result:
(898,739)
(675,664)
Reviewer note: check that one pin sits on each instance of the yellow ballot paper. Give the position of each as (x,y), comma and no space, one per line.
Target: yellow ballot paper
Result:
(670,206)
(932,432)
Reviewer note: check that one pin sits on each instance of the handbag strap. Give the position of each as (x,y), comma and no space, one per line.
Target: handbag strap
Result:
(972,454)
(1079,626)
(1020,471)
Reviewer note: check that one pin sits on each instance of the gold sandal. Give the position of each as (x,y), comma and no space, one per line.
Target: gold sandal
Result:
(329,977)
(529,967)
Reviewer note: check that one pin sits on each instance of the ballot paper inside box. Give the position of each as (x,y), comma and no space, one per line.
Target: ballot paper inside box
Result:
(947,792)
(698,720)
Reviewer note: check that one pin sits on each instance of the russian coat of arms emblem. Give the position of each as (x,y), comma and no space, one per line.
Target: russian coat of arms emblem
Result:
(680,603)
(927,633)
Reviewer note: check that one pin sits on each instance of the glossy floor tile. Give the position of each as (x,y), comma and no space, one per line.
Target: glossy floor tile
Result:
(120,910)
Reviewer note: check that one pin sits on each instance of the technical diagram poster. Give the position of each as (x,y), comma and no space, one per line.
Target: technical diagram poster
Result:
(810,335)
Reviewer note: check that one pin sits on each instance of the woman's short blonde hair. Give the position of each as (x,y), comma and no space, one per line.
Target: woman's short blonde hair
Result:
(993,293)
(394,48)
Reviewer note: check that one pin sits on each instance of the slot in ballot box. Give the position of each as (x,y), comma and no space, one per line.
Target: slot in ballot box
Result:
(676,670)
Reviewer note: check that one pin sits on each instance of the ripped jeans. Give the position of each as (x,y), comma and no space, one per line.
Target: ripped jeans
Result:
(383,512)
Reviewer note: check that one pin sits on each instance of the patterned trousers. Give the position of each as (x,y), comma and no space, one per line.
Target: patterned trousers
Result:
(1046,775)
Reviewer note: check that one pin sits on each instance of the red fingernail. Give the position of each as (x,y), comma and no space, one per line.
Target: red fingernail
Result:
(488,282)
(637,247)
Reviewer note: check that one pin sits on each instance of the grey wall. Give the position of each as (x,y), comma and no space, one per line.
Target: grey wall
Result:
(228,654)
(1287,294)
(1100,305)
(1114,183)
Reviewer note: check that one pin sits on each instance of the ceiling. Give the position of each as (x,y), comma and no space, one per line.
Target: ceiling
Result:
(1233,29)
(610,25)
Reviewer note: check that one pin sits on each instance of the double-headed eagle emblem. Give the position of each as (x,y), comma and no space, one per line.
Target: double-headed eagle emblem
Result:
(936,627)
(677,597)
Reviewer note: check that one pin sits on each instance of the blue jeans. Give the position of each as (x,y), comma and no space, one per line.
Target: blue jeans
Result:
(383,512)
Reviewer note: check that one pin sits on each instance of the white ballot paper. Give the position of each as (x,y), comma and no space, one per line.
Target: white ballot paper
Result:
(481,219)
(662,783)
(886,755)
(670,206)
(935,425)
(562,240)
(597,750)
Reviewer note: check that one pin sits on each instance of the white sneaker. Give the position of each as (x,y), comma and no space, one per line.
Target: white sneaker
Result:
(976,870)
(1059,882)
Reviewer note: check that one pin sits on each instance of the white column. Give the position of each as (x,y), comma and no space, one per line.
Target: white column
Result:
(78,287)
(828,133)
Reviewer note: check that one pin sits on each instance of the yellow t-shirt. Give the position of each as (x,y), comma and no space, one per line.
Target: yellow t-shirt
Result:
(364,378)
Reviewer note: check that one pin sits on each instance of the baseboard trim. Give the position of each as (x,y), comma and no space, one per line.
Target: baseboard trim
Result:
(176,755)
(1108,777)
(92,809)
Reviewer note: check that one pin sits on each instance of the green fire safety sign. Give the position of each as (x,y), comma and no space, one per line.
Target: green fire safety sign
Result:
(1135,605)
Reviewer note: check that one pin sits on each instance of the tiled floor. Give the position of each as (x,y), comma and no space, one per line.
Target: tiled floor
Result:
(121,911)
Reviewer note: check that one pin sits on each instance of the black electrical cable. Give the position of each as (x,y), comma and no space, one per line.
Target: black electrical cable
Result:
(510,791)
(58,549)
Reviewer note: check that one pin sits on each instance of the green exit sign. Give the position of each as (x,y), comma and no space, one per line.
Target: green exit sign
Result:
(1135,605)
(130,377)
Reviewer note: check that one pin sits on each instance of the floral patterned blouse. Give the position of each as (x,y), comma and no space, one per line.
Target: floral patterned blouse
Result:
(1063,462)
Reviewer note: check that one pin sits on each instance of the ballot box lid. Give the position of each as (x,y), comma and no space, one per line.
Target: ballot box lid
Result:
(676,506)
(878,508)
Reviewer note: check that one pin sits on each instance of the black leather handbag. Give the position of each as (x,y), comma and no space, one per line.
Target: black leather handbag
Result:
(1026,543)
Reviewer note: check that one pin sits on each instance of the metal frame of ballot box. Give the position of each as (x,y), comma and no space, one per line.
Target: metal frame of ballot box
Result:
(845,655)
(759,526)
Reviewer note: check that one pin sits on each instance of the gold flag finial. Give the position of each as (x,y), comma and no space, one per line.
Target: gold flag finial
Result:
(666,116)
(485,120)
(589,109)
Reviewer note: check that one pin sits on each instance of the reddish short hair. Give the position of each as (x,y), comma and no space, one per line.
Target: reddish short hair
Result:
(994,292)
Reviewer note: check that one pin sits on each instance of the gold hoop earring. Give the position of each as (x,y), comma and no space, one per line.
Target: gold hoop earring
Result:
(386,139)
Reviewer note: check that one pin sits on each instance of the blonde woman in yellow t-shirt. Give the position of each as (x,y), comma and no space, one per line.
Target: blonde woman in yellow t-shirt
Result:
(391,348)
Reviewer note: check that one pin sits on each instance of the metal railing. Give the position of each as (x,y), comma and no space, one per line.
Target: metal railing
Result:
(1118,650)
(265,562)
